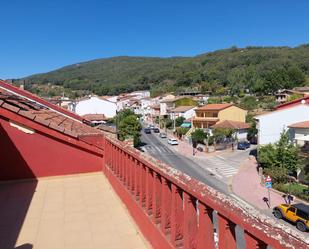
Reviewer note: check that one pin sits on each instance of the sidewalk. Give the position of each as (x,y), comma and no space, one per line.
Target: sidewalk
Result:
(246,185)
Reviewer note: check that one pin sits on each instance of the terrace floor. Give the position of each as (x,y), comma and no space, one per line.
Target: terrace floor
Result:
(80,211)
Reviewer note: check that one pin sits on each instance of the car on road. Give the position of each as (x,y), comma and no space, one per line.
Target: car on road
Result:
(243,145)
(156,130)
(162,135)
(172,141)
(151,127)
(147,131)
(295,213)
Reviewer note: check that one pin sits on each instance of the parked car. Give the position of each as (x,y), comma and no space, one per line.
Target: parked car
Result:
(147,131)
(295,213)
(151,127)
(162,135)
(156,130)
(243,145)
(172,141)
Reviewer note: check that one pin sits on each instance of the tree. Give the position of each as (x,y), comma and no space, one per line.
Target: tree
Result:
(283,155)
(199,135)
(130,127)
(181,131)
(252,131)
(179,121)
(222,133)
(249,103)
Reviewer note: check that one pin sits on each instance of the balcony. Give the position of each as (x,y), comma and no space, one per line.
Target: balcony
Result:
(78,211)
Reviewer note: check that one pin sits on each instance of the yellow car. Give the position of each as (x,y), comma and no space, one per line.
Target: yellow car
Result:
(296,213)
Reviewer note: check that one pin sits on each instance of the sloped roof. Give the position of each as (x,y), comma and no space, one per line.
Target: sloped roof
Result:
(300,125)
(32,97)
(182,108)
(95,117)
(294,102)
(35,111)
(231,124)
(214,107)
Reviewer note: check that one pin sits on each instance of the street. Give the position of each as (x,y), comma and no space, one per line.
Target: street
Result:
(158,148)
(213,171)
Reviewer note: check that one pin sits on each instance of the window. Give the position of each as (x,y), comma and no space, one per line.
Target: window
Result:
(302,214)
(292,209)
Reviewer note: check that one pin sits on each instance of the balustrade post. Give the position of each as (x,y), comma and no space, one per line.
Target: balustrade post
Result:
(166,206)
(133,169)
(142,180)
(149,187)
(177,214)
(227,239)
(113,158)
(118,162)
(190,222)
(205,229)
(137,171)
(127,166)
(156,198)
(252,242)
(123,167)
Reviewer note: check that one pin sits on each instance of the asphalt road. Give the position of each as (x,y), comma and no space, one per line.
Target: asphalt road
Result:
(159,149)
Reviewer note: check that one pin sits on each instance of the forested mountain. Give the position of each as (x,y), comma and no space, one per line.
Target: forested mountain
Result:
(261,70)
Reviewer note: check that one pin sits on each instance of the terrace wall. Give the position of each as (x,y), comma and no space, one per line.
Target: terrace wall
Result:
(175,211)
(32,151)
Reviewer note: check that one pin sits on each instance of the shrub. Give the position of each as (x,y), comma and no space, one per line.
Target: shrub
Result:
(279,175)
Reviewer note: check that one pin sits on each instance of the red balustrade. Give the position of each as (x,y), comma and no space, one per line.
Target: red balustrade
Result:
(175,211)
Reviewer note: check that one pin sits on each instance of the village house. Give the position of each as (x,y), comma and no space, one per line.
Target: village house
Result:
(186,112)
(209,114)
(95,105)
(270,125)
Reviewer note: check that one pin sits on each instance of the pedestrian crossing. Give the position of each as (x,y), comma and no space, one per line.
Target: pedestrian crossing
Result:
(222,167)
(156,149)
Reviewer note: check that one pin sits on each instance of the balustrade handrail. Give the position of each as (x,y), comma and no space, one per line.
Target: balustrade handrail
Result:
(260,230)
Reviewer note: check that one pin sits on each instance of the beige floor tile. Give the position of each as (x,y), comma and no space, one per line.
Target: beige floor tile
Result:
(71,212)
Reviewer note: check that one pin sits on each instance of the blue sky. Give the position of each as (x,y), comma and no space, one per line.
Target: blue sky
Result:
(40,35)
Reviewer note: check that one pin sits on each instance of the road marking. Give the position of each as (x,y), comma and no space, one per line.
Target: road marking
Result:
(242,201)
(221,157)
(214,172)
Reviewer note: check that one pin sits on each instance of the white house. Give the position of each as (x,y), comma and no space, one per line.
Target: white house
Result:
(270,125)
(182,111)
(95,105)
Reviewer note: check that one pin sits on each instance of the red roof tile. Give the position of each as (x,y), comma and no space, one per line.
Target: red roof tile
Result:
(231,124)
(214,107)
(300,125)
(31,109)
(95,117)
(34,98)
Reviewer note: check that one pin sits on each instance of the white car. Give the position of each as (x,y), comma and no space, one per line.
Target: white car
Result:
(172,141)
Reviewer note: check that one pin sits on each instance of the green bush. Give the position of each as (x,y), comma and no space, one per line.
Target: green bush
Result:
(295,189)
(279,175)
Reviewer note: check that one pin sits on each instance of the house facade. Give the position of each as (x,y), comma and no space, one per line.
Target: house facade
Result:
(186,112)
(271,125)
(95,105)
(208,115)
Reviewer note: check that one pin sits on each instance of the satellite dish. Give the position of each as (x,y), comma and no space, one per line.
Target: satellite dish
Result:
(303,101)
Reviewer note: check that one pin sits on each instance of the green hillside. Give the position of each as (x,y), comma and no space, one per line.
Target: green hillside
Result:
(261,70)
